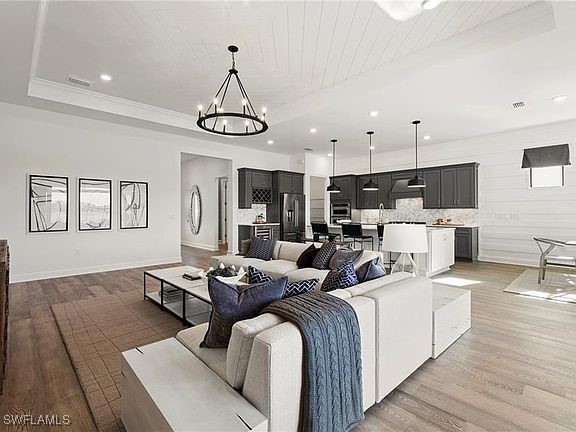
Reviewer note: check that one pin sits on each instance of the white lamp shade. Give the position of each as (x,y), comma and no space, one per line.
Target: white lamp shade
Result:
(409,238)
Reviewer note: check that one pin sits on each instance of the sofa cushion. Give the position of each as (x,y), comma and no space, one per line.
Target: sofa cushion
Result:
(307,257)
(366,287)
(340,278)
(367,255)
(240,346)
(307,273)
(229,305)
(215,359)
(235,260)
(276,268)
(300,287)
(290,251)
(261,248)
(257,276)
(370,270)
(324,255)
(344,254)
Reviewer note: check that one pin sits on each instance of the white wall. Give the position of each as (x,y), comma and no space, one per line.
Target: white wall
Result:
(35,141)
(203,172)
(510,213)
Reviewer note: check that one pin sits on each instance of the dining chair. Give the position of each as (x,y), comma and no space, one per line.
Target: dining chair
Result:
(548,258)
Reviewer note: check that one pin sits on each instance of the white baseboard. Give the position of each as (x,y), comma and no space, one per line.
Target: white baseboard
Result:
(27,277)
(500,260)
(212,248)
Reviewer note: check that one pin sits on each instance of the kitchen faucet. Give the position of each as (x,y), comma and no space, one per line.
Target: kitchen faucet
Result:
(381,213)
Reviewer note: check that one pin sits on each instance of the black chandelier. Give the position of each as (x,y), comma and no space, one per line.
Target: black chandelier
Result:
(219,121)
(416,181)
(370,185)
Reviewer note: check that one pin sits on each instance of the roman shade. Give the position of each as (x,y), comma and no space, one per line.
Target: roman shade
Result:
(539,157)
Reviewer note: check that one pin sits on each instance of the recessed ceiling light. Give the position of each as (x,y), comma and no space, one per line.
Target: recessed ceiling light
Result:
(270,142)
(427,137)
(559,99)
(373,113)
(105,77)
(329,154)
(313,130)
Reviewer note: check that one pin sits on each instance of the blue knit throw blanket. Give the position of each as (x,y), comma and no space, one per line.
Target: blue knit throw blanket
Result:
(332,375)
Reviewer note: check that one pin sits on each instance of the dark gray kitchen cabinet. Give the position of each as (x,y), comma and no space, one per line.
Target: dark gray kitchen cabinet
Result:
(384,187)
(459,186)
(365,199)
(348,191)
(431,193)
(244,188)
(466,243)
(289,182)
(261,180)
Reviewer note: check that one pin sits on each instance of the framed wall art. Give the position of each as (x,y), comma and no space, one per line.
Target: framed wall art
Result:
(94,204)
(133,204)
(47,204)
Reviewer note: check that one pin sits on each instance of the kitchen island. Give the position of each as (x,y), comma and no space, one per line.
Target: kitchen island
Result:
(440,254)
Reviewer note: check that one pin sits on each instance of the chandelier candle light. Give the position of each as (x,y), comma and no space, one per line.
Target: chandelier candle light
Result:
(416,181)
(370,185)
(216,119)
(333,188)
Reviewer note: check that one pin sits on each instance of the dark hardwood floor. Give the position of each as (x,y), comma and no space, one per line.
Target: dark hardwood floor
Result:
(515,370)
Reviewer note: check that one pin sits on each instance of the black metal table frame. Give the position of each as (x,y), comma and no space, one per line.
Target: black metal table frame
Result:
(162,307)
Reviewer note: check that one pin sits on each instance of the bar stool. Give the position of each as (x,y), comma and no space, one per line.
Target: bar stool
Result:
(354,232)
(380,228)
(320,229)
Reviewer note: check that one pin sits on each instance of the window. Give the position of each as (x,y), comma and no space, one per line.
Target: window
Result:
(551,176)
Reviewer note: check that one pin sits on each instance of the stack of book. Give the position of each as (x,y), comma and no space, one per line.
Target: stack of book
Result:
(192,275)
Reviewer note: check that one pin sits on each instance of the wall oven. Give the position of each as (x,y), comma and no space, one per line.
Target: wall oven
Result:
(340,211)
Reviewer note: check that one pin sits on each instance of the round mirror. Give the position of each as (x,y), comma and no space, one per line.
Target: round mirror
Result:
(195,210)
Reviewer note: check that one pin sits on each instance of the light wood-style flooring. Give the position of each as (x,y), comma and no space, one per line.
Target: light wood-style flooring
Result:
(515,370)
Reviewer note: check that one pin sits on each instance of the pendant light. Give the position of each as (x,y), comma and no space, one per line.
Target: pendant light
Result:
(370,185)
(416,181)
(333,188)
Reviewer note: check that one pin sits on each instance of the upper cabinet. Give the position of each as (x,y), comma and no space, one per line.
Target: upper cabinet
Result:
(459,186)
(373,199)
(290,182)
(384,187)
(431,192)
(347,186)
(262,179)
(254,187)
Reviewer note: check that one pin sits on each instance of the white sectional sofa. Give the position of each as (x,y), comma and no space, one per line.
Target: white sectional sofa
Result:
(283,262)
(263,361)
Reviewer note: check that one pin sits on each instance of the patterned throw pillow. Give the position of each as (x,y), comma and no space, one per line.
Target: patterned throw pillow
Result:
(307,257)
(343,277)
(256,276)
(229,305)
(372,269)
(300,287)
(344,254)
(260,248)
(322,259)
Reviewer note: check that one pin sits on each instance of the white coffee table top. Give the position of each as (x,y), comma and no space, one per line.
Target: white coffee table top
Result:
(173,276)
(189,395)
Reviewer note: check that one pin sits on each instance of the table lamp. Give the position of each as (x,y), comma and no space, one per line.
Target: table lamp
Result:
(405,239)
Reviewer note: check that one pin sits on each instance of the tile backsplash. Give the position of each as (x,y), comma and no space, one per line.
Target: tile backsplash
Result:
(410,210)
(249,215)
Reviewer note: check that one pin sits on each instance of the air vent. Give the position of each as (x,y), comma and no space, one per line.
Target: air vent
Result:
(520,104)
(80,81)
(308,149)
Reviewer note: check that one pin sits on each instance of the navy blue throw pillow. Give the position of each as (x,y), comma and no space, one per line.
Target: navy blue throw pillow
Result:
(342,277)
(370,270)
(256,276)
(260,248)
(307,257)
(300,287)
(322,259)
(230,305)
(344,254)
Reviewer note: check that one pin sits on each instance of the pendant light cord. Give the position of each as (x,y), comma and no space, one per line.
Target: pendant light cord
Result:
(370,152)
(416,146)
(333,159)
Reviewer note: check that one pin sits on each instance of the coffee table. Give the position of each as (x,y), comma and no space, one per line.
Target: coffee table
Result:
(186,299)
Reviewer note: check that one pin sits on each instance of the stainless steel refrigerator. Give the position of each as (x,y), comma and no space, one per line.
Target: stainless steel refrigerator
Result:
(292,216)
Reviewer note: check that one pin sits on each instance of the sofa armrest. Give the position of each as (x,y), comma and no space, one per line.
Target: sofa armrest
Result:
(403,329)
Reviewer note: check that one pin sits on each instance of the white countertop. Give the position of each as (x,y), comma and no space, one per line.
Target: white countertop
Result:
(260,224)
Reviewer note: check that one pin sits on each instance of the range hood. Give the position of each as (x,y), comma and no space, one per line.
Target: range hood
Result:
(401,190)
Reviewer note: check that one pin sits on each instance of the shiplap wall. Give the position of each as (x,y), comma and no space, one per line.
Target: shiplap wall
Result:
(510,213)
